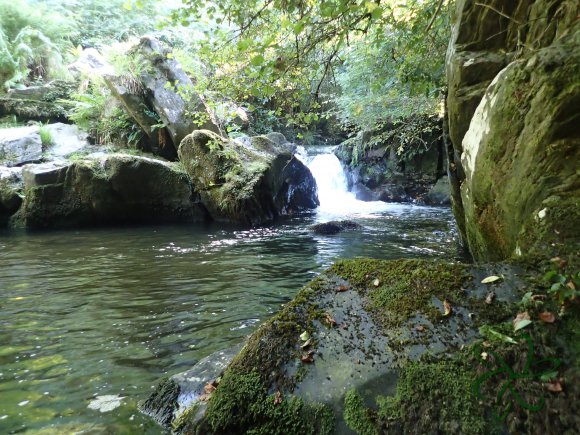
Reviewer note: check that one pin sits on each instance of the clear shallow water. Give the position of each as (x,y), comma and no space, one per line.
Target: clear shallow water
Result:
(111,311)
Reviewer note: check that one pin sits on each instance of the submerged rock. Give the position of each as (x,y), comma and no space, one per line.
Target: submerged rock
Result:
(333,227)
(366,323)
(116,188)
(248,182)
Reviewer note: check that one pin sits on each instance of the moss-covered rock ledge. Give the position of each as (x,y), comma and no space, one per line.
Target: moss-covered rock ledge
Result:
(389,347)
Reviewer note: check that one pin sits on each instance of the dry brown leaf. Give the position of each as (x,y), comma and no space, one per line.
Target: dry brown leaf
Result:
(490,298)
(520,317)
(342,288)
(278,398)
(538,297)
(420,328)
(204,398)
(554,386)
(571,285)
(209,388)
(308,358)
(447,308)
(547,317)
(328,319)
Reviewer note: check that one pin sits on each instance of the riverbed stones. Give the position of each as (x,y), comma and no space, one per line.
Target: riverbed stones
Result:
(116,188)
(334,227)
(248,182)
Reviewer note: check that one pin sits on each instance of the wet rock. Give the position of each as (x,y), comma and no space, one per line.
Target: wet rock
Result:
(384,317)
(116,188)
(439,194)
(248,182)
(20,145)
(175,395)
(334,227)
(10,193)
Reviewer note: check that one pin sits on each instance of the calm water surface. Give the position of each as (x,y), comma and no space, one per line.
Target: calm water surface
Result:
(111,311)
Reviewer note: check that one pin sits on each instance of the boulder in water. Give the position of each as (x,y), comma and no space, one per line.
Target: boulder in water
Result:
(334,227)
(117,188)
(249,182)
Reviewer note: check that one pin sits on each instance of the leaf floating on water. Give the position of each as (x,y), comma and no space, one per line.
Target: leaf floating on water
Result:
(342,288)
(547,317)
(105,403)
(376,282)
(305,336)
(490,279)
(447,308)
(521,321)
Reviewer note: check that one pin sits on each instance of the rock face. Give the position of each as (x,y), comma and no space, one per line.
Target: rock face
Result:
(115,189)
(40,103)
(10,193)
(179,108)
(248,182)
(439,194)
(513,103)
(20,145)
(379,173)
(362,325)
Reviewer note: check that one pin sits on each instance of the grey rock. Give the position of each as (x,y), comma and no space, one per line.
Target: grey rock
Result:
(20,145)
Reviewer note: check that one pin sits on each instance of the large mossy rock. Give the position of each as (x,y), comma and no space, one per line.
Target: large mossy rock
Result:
(396,335)
(118,188)
(514,81)
(248,182)
(10,193)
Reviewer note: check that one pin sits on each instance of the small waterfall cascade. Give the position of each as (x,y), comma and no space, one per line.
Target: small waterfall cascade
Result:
(335,199)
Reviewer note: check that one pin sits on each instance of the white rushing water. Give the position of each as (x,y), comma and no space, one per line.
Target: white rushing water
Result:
(335,199)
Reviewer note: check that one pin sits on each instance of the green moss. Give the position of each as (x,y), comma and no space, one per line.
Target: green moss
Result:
(434,397)
(241,404)
(357,416)
(405,286)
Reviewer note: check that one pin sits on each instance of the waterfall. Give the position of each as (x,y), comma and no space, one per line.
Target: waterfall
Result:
(335,199)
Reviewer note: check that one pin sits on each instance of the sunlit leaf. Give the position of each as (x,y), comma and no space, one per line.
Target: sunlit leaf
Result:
(105,403)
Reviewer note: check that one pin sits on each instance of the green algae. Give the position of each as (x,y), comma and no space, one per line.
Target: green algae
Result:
(404,286)
(357,416)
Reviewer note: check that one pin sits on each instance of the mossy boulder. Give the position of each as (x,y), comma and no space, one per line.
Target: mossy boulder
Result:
(373,326)
(10,193)
(249,182)
(512,70)
(521,193)
(118,188)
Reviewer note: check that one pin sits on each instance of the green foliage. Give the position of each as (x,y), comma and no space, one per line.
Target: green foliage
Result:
(564,287)
(357,416)
(46,138)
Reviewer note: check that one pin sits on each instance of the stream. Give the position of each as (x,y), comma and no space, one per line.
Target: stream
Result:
(110,311)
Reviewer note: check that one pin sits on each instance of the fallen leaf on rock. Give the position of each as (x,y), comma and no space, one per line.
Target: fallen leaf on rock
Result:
(420,328)
(305,336)
(328,319)
(306,343)
(277,398)
(490,297)
(490,279)
(484,355)
(571,285)
(554,386)
(209,388)
(521,321)
(447,308)
(547,317)
(538,297)
(376,282)
(342,288)
(308,358)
